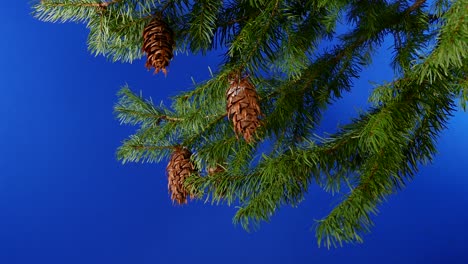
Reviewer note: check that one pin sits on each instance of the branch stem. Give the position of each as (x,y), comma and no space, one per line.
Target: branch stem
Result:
(101,4)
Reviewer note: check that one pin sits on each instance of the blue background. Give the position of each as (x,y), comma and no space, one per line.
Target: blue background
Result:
(65,199)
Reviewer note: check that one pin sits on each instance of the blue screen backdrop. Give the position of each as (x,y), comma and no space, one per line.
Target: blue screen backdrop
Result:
(65,199)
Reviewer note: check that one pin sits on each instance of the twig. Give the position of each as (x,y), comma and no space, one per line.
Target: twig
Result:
(100,5)
(415,6)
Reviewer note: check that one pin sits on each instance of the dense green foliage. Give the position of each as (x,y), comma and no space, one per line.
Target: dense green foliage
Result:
(280,44)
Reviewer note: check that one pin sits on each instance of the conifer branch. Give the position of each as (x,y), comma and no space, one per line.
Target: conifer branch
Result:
(102,4)
(416,5)
(279,43)
(150,148)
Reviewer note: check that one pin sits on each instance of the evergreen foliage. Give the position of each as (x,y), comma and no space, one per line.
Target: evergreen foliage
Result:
(279,43)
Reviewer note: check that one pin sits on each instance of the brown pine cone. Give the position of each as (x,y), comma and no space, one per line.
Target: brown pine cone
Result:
(243,107)
(178,169)
(158,43)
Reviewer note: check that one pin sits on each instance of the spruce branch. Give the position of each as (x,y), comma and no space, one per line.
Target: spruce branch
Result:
(285,48)
(247,51)
(452,46)
(203,24)
(133,109)
(101,4)
(416,5)
(70,10)
(134,150)
(410,131)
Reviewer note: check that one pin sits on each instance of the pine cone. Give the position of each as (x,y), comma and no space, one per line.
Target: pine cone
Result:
(158,43)
(178,169)
(242,107)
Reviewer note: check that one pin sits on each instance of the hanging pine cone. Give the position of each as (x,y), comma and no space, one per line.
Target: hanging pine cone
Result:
(158,43)
(242,107)
(178,169)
